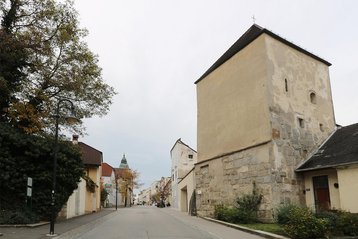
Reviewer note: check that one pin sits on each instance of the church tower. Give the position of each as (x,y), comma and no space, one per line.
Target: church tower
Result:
(124,163)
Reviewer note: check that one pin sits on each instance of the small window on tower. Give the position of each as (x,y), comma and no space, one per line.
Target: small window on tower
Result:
(286,85)
(301,122)
(313,98)
(190,156)
(321,127)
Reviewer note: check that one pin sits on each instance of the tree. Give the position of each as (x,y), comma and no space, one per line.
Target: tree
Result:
(127,180)
(163,190)
(104,196)
(43,56)
(23,156)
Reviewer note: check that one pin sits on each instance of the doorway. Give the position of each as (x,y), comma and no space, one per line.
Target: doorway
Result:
(321,193)
(184,199)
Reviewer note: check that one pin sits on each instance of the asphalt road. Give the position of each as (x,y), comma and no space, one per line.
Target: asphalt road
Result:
(153,223)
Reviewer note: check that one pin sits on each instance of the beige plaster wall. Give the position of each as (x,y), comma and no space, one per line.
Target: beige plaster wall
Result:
(186,184)
(231,102)
(304,76)
(93,198)
(76,202)
(348,188)
(333,192)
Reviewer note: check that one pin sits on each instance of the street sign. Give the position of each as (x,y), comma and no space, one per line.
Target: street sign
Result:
(29,192)
(29,182)
(29,187)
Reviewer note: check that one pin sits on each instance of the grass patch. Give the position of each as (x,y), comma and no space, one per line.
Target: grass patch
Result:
(266,227)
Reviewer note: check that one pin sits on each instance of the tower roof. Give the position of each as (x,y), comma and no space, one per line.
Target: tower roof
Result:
(124,163)
(249,36)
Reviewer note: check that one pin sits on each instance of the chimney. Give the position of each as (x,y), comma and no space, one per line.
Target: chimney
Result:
(75,139)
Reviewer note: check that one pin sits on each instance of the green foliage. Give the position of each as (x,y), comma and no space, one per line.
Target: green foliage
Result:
(18,216)
(302,224)
(282,215)
(227,214)
(104,195)
(90,185)
(23,156)
(331,218)
(43,56)
(347,223)
(248,205)
(245,210)
(267,227)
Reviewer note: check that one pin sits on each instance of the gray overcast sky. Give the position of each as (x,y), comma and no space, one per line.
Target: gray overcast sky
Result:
(153,51)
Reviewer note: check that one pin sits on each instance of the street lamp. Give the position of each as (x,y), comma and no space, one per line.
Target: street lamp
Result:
(71,119)
(116,193)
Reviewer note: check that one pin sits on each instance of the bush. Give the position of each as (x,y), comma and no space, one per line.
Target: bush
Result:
(282,214)
(347,223)
(23,156)
(227,214)
(247,206)
(303,224)
(331,219)
(23,216)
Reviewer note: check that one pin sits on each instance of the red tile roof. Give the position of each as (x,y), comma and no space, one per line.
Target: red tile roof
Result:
(107,170)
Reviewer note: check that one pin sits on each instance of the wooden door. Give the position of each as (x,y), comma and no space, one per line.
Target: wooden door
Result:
(321,193)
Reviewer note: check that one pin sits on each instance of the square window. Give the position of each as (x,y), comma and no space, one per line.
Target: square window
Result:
(190,156)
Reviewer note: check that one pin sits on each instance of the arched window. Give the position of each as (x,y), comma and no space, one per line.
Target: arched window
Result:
(313,98)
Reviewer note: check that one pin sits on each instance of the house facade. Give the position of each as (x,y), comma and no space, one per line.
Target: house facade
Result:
(92,160)
(183,158)
(263,108)
(108,182)
(331,173)
(86,198)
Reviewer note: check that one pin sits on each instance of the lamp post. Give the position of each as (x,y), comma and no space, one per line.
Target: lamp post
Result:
(116,193)
(71,119)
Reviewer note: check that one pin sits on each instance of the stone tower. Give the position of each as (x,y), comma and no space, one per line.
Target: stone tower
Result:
(263,108)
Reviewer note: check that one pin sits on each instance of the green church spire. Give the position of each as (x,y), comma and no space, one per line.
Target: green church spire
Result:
(124,163)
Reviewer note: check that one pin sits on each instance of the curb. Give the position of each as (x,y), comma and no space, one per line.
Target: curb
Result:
(249,230)
(76,232)
(25,225)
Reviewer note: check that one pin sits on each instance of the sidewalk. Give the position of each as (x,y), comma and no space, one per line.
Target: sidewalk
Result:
(61,227)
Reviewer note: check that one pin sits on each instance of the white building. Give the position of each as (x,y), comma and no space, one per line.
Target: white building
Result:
(183,158)
(75,205)
(108,183)
(144,196)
